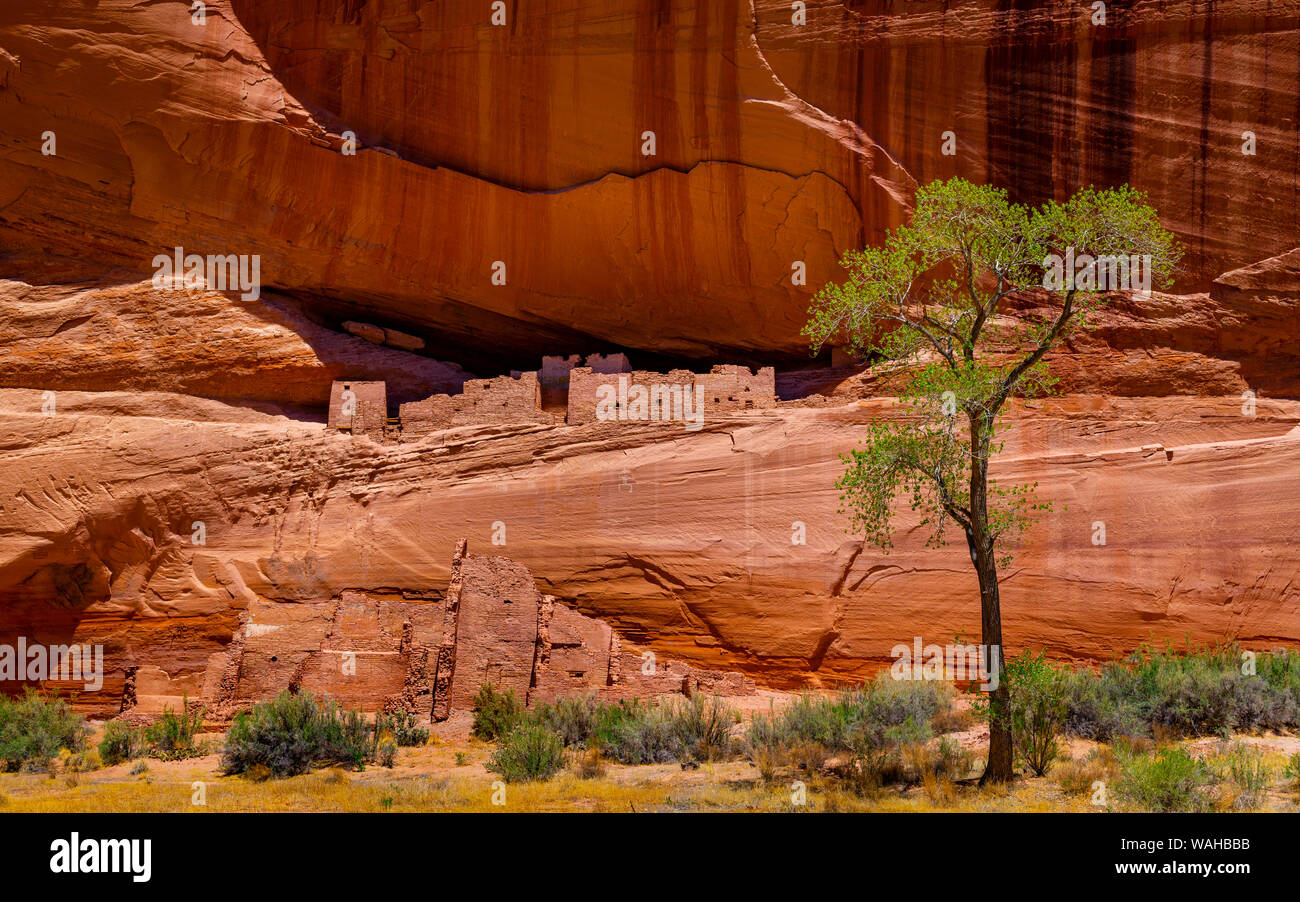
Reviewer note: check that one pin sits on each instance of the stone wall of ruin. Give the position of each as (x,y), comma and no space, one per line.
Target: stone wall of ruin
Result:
(725,389)
(370,407)
(505,400)
(426,652)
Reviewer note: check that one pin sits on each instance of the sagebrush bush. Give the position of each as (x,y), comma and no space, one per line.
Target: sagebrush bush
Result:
(293,733)
(496,714)
(575,718)
(121,742)
(1200,692)
(35,727)
(695,729)
(852,718)
(1079,776)
(529,752)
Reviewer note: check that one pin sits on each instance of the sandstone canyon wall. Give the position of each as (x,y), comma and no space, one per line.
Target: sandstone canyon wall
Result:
(129,413)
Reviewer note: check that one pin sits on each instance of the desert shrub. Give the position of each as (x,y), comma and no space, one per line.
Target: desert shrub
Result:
(294,732)
(529,752)
(1077,775)
(951,759)
(1292,770)
(86,760)
(1247,775)
(171,736)
(402,727)
(1037,694)
(674,730)
(387,753)
(1168,780)
(589,764)
(859,717)
(952,720)
(636,733)
(1195,693)
(574,718)
(496,714)
(140,767)
(121,742)
(704,727)
(35,727)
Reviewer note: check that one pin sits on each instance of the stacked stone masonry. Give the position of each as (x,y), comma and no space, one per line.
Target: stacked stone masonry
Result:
(426,652)
(560,392)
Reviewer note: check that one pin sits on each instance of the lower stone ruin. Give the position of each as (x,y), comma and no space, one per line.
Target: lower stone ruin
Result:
(427,653)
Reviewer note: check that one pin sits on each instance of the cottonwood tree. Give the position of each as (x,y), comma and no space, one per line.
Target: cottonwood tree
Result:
(936,299)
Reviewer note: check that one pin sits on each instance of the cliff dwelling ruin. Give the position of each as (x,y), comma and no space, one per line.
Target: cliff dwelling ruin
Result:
(426,652)
(560,392)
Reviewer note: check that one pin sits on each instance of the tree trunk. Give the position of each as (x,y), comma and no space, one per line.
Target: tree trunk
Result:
(999,768)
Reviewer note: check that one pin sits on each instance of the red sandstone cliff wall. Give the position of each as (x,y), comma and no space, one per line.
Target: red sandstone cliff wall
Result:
(521,144)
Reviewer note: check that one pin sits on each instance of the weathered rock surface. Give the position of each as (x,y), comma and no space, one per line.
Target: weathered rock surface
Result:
(681,541)
(775,143)
(178,498)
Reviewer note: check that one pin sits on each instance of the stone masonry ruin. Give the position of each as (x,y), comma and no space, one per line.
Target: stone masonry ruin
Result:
(426,652)
(560,392)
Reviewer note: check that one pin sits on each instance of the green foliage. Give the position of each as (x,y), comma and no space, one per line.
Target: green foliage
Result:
(1168,780)
(529,752)
(695,729)
(936,287)
(403,727)
(121,742)
(1248,774)
(171,736)
(293,733)
(1037,692)
(35,727)
(1292,770)
(574,718)
(1196,693)
(856,718)
(495,713)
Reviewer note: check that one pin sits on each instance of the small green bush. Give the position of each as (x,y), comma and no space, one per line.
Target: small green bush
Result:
(496,714)
(1169,780)
(121,742)
(529,752)
(171,736)
(405,729)
(1292,770)
(35,727)
(1248,773)
(1037,691)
